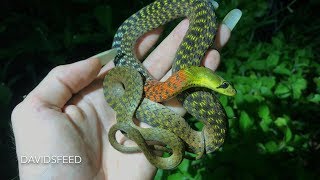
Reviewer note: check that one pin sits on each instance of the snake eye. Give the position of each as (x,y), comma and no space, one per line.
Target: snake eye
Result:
(224,85)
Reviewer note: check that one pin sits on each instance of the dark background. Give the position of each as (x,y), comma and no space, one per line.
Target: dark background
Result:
(272,59)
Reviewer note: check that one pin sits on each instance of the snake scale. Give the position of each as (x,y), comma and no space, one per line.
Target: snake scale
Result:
(133,93)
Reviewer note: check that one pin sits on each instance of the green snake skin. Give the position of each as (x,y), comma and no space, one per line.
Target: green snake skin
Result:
(123,86)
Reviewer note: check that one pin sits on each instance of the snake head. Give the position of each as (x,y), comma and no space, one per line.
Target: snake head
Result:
(204,77)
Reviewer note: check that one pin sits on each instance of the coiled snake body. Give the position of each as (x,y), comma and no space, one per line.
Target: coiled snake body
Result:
(132,92)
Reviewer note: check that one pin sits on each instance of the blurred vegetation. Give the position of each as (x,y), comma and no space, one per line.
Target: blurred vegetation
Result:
(272,59)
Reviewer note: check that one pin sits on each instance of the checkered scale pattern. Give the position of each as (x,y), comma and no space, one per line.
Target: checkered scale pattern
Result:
(168,127)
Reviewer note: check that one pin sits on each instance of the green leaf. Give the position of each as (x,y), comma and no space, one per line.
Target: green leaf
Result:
(176,176)
(298,85)
(282,69)
(278,42)
(265,123)
(198,125)
(290,148)
(315,98)
(271,147)
(272,60)
(264,114)
(229,112)
(288,134)
(159,175)
(282,91)
(183,167)
(268,82)
(297,139)
(257,64)
(223,100)
(246,122)
(264,111)
(280,122)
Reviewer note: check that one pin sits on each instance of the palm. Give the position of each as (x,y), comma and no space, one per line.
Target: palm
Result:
(90,118)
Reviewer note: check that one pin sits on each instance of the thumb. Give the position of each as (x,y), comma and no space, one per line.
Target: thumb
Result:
(64,81)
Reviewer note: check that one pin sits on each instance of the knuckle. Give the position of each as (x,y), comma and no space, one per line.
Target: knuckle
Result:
(58,69)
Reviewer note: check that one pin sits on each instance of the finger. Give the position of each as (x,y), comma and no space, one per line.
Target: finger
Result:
(74,113)
(222,37)
(146,41)
(224,30)
(107,56)
(142,46)
(63,81)
(211,59)
(166,51)
(175,106)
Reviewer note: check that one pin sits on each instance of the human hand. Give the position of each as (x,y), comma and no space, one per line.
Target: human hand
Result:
(66,114)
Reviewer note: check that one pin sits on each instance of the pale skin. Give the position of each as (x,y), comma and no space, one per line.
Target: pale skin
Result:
(66,114)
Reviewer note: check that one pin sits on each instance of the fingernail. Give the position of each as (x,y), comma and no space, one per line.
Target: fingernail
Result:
(106,56)
(232,18)
(214,4)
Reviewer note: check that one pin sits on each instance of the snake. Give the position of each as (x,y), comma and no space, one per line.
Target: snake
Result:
(133,92)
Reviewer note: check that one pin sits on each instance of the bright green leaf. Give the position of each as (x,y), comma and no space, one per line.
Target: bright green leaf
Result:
(268,82)
(223,100)
(314,98)
(280,122)
(183,167)
(229,112)
(264,111)
(282,91)
(264,124)
(159,175)
(288,134)
(245,121)
(298,85)
(176,176)
(198,125)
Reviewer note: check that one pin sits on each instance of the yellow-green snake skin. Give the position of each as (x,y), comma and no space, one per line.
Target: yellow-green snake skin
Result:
(133,93)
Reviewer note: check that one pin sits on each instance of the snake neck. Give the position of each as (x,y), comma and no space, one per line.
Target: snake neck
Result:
(161,91)
(184,79)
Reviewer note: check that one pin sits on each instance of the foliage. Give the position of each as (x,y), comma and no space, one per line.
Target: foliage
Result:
(273,119)
(271,59)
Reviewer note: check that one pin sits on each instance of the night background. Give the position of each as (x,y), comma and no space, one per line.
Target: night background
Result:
(272,59)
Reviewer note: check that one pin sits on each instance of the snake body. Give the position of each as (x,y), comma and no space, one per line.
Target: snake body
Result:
(132,95)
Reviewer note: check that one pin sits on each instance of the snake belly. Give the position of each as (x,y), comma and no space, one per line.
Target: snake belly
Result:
(168,127)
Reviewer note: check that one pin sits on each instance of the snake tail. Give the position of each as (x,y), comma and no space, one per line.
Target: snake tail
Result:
(148,134)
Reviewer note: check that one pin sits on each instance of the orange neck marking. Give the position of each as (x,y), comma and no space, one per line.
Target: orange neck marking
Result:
(161,91)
